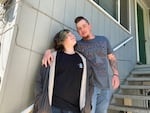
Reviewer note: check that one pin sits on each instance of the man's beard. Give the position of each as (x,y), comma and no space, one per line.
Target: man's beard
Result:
(86,37)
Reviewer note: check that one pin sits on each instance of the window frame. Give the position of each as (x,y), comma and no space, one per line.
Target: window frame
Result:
(118,22)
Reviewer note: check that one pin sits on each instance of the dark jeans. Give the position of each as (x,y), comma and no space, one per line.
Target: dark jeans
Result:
(58,110)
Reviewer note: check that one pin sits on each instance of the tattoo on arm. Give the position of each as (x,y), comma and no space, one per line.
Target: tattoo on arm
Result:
(113,63)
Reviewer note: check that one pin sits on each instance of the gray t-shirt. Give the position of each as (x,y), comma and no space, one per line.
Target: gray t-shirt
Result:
(96,51)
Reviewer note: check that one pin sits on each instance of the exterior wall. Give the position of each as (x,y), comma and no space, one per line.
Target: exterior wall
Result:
(36,23)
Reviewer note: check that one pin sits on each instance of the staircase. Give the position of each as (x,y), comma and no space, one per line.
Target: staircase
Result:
(133,95)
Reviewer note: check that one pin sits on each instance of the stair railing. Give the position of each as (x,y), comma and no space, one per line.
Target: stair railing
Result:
(30,108)
(123,43)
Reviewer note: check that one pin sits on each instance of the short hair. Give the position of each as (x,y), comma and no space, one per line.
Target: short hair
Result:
(59,38)
(79,18)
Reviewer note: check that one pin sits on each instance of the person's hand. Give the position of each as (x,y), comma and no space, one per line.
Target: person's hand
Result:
(47,58)
(115,81)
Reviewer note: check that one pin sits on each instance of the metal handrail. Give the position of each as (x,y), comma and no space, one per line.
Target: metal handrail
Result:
(28,109)
(122,44)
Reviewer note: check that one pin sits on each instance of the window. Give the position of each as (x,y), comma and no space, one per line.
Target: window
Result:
(109,6)
(118,9)
(124,13)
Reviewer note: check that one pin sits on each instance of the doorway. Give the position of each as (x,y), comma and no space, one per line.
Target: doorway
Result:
(141,34)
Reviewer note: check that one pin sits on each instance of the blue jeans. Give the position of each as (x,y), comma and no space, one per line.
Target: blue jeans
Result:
(58,110)
(100,100)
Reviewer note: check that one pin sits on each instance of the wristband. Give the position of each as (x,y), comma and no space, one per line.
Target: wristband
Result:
(116,75)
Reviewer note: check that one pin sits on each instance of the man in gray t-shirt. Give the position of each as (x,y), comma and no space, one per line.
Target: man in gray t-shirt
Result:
(98,51)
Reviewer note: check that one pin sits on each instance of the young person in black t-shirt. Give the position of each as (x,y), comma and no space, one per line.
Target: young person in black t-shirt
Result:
(66,85)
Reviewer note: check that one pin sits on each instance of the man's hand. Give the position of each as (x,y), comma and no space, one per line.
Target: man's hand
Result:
(115,81)
(47,58)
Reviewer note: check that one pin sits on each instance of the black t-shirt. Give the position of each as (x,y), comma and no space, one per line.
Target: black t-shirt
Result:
(67,83)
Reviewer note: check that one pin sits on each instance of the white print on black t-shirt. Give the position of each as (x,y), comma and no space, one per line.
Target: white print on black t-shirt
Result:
(80,65)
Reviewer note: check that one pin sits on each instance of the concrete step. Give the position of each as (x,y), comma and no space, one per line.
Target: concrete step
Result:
(139,72)
(137,97)
(134,87)
(142,66)
(128,108)
(138,79)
